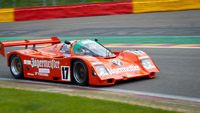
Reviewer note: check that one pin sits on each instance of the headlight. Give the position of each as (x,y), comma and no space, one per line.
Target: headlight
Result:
(101,70)
(147,64)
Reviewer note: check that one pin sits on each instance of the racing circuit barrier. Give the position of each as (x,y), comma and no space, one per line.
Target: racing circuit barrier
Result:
(80,10)
(7,15)
(96,9)
(141,6)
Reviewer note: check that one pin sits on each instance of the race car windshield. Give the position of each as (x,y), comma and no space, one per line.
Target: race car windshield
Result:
(91,48)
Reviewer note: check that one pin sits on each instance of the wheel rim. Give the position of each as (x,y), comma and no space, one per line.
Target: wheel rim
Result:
(16,66)
(80,73)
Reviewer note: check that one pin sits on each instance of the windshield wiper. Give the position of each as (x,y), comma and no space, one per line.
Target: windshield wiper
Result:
(108,51)
(109,57)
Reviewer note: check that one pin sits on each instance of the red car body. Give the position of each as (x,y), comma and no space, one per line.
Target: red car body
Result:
(50,63)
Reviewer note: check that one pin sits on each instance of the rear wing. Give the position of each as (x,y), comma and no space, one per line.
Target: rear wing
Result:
(52,40)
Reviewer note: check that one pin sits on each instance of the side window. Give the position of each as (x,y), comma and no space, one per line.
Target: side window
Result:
(65,49)
(50,50)
(55,47)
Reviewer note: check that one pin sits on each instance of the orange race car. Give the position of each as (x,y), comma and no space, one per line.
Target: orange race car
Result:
(81,61)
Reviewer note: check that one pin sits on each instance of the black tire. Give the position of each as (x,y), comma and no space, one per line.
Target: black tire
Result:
(16,66)
(80,73)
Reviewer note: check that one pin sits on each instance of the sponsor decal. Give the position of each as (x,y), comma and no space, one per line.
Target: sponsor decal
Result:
(96,63)
(137,52)
(87,41)
(30,74)
(41,74)
(27,62)
(123,69)
(42,70)
(116,62)
(143,57)
(27,52)
(45,63)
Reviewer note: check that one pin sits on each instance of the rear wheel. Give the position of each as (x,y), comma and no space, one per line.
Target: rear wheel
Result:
(80,73)
(16,66)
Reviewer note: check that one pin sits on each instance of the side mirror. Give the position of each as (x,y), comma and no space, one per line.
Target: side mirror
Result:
(0,46)
(67,42)
(96,39)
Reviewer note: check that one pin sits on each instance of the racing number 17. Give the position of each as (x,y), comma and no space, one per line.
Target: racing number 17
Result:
(65,72)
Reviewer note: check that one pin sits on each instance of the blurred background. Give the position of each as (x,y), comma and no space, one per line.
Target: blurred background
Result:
(37,3)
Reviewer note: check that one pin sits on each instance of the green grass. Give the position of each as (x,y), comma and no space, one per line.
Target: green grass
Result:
(35,3)
(21,101)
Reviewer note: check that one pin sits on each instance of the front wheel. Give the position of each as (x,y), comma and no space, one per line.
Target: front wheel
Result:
(80,73)
(16,66)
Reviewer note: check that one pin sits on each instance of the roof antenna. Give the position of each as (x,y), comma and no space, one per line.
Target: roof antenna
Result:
(96,39)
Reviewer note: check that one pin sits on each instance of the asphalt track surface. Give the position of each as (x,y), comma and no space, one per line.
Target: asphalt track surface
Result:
(180,23)
(179,67)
